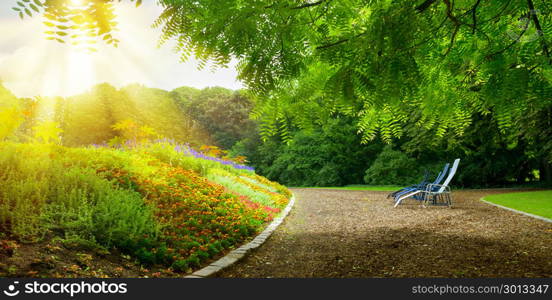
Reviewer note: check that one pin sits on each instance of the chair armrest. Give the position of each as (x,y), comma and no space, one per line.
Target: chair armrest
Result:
(433,188)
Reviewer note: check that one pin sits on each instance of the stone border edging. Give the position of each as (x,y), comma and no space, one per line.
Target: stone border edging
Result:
(237,254)
(518,211)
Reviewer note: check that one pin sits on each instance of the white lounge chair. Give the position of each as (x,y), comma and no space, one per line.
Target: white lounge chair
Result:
(435,194)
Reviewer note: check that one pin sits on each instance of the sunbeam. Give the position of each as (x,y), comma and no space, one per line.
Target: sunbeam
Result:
(31,66)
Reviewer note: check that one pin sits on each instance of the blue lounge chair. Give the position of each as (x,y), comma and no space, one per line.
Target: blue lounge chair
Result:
(422,183)
(421,186)
(440,194)
(434,192)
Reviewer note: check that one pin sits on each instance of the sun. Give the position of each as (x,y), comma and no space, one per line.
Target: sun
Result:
(51,69)
(79,71)
(76,2)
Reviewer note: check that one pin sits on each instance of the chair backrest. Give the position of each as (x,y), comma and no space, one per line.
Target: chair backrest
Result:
(450,175)
(426,175)
(442,174)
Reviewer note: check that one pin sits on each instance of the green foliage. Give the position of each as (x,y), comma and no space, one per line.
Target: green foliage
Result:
(133,132)
(11,119)
(10,113)
(158,109)
(222,113)
(48,132)
(90,208)
(90,118)
(76,22)
(329,156)
(40,195)
(378,60)
(166,152)
(241,189)
(489,158)
(393,167)
(383,62)
(336,157)
(427,76)
(138,200)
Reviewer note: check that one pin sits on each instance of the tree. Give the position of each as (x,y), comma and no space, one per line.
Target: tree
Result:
(47,132)
(223,113)
(159,110)
(328,156)
(89,117)
(446,59)
(30,112)
(11,115)
(10,119)
(392,167)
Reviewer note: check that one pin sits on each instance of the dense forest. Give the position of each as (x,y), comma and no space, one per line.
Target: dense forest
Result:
(330,154)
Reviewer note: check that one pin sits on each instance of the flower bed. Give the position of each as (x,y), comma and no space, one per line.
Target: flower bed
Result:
(151,202)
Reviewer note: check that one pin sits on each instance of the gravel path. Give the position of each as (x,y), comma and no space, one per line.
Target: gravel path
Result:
(331,233)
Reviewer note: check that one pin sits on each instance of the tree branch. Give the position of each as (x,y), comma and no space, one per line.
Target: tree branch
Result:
(434,31)
(309,4)
(456,22)
(474,15)
(332,44)
(452,17)
(489,56)
(338,42)
(535,19)
(425,5)
(452,38)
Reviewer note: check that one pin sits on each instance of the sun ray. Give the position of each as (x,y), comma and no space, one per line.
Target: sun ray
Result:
(32,66)
(80,73)
(76,2)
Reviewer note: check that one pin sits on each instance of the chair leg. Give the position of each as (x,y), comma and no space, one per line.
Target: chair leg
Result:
(425,200)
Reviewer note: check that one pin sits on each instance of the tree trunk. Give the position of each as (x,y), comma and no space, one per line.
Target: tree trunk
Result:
(546,173)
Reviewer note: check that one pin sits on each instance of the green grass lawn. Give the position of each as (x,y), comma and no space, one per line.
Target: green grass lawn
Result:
(384,188)
(537,203)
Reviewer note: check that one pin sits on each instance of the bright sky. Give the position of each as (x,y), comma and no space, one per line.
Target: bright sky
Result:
(30,65)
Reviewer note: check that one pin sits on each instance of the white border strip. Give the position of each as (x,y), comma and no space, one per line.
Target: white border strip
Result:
(518,211)
(237,254)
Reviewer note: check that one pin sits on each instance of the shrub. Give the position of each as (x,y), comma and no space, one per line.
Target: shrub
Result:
(332,156)
(41,194)
(392,167)
(149,201)
(242,189)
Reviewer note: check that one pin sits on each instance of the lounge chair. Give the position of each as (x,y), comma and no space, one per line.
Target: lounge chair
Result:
(434,192)
(440,194)
(421,186)
(422,183)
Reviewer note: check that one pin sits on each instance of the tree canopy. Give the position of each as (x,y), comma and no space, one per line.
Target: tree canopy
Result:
(385,62)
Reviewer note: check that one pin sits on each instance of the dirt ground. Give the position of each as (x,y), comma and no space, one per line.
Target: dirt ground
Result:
(332,233)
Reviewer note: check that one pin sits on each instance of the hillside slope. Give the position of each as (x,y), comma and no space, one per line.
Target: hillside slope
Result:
(125,211)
